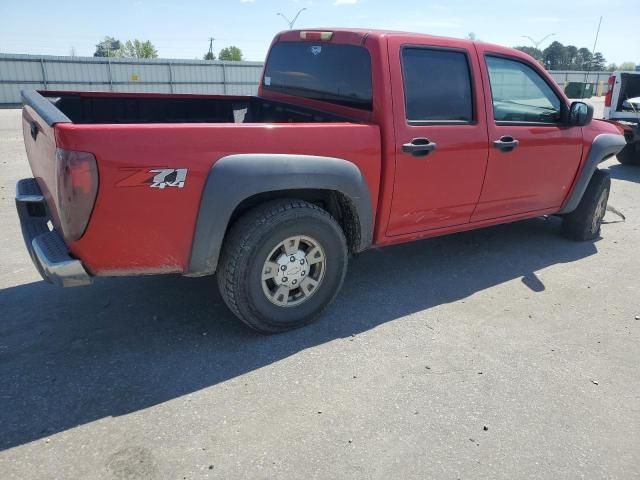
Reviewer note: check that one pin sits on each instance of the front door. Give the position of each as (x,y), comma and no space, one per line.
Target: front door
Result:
(533,157)
(441,139)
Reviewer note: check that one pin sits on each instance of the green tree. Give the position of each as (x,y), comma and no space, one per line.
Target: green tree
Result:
(584,59)
(627,66)
(138,49)
(612,66)
(231,53)
(209,56)
(571,56)
(107,47)
(533,51)
(555,56)
(599,62)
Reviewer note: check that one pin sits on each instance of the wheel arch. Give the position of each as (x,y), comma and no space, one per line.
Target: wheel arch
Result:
(237,183)
(603,147)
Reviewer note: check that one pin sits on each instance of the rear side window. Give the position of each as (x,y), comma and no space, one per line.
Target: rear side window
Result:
(437,85)
(333,73)
(520,94)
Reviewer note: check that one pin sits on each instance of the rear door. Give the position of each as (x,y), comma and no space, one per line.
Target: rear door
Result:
(533,157)
(440,134)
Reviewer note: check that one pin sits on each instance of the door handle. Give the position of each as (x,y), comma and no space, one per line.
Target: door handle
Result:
(419,147)
(506,143)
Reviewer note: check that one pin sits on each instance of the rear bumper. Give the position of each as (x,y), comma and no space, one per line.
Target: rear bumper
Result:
(46,247)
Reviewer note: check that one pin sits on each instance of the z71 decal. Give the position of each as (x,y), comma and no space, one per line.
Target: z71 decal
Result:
(156,178)
(169,177)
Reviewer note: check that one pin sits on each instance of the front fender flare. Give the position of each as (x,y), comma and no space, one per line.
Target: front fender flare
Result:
(604,146)
(235,178)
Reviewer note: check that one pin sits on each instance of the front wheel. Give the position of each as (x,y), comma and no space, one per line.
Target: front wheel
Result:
(282,264)
(630,154)
(585,221)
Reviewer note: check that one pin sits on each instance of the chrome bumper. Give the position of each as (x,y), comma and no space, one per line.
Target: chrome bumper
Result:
(46,247)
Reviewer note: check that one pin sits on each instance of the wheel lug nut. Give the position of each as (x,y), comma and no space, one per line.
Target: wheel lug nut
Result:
(294,282)
(293,259)
(283,268)
(302,262)
(284,279)
(303,273)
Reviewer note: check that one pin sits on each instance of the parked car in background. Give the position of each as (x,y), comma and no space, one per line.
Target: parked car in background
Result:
(357,138)
(622,105)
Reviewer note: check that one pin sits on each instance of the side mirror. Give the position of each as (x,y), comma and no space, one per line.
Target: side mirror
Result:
(580,114)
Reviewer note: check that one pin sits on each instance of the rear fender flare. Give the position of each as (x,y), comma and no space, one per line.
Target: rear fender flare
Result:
(235,178)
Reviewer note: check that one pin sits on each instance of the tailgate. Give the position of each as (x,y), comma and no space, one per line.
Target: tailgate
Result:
(39,117)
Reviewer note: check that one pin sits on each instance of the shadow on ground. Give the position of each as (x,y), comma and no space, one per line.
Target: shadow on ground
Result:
(629,173)
(69,357)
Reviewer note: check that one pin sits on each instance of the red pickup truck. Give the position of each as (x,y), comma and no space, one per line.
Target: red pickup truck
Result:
(356,138)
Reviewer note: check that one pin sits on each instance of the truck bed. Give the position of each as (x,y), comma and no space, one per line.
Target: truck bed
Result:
(134,134)
(114,108)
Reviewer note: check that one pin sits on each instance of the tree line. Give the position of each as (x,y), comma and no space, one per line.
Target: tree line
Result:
(111,47)
(555,57)
(560,57)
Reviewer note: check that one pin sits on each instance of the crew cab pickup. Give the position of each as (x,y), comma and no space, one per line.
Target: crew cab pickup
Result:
(356,138)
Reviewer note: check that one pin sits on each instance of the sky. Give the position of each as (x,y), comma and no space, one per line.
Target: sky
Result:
(181,29)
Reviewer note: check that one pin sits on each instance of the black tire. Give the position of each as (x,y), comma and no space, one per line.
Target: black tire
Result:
(584,222)
(630,154)
(247,247)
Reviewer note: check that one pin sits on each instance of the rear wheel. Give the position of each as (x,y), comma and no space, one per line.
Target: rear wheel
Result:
(630,154)
(585,221)
(282,264)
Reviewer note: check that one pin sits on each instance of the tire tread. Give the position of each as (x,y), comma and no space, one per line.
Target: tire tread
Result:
(577,224)
(242,237)
(629,155)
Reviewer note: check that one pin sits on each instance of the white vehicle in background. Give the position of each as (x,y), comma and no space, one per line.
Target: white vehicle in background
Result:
(622,105)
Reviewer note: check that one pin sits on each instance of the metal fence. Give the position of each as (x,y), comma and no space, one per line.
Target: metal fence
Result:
(510,84)
(19,72)
(599,79)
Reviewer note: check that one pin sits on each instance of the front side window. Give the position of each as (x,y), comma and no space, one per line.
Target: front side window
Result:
(437,85)
(520,94)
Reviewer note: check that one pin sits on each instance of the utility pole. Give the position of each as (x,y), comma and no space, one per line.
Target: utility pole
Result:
(291,23)
(593,52)
(210,54)
(538,42)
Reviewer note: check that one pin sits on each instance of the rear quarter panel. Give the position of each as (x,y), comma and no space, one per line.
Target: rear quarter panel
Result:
(142,230)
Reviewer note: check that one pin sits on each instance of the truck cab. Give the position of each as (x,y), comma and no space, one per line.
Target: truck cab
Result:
(483,120)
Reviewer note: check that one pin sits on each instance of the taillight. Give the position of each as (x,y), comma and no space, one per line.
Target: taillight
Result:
(77,187)
(607,97)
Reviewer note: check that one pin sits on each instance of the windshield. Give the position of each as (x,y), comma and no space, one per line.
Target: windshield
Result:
(339,74)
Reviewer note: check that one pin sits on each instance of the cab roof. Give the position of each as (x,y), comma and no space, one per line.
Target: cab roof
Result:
(357,35)
(372,33)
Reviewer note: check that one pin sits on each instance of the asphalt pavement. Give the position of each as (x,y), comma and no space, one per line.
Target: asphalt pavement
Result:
(508,352)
